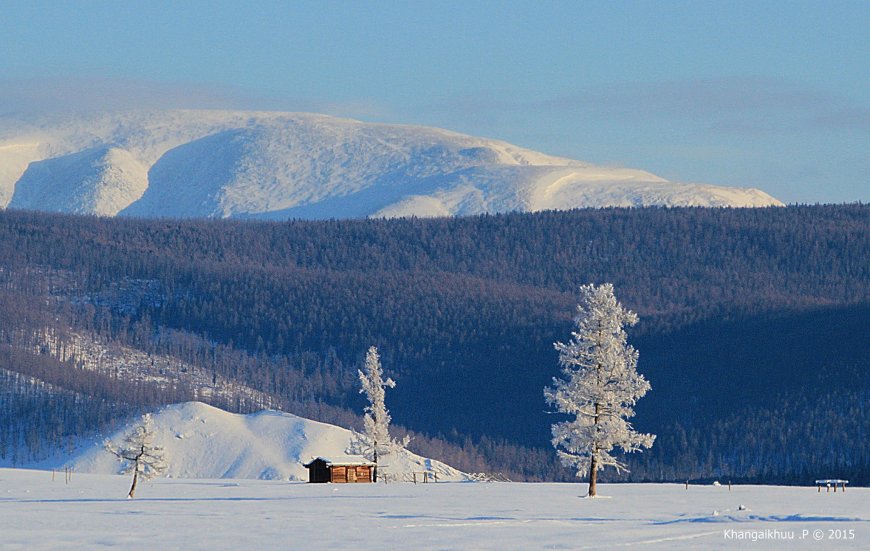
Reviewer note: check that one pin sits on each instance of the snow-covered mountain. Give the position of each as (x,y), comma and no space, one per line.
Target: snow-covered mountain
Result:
(202,441)
(292,165)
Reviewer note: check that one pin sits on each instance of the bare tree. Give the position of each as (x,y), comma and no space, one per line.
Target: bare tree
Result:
(139,453)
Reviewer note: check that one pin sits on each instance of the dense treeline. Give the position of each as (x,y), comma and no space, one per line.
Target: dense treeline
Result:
(38,418)
(742,309)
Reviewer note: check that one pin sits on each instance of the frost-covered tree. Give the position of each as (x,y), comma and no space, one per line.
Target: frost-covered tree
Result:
(599,388)
(139,453)
(377,439)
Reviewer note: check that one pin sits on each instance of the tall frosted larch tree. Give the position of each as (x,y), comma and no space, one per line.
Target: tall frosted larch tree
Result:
(139,453)
(377,418)
(599,387)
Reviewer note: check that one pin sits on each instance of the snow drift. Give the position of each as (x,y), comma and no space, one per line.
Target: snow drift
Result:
(292,165)
(202,441)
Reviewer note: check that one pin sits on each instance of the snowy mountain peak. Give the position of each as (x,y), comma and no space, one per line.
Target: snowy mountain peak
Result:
(202,441)
(296,165)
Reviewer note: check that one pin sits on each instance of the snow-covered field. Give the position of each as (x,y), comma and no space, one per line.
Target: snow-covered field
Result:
(41,511)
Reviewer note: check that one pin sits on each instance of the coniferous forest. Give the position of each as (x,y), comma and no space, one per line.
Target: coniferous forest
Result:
(754,329)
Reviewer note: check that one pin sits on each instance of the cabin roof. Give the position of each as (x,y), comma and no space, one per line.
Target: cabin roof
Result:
(344,461)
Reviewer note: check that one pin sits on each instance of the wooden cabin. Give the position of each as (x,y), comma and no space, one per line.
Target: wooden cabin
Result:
(348,469)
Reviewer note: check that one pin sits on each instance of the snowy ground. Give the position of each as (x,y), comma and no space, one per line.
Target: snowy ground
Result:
(37,512)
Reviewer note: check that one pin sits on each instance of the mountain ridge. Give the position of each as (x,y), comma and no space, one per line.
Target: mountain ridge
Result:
(273,165)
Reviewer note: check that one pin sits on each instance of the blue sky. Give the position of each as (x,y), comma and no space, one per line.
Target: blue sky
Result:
(763,94)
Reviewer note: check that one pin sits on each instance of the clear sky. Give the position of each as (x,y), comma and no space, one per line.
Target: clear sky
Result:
(764,93)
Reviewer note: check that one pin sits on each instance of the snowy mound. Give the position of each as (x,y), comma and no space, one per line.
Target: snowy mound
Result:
(291,165)
(202,441)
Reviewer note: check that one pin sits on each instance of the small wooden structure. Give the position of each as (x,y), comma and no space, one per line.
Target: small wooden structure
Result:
(349,469)
(835,481)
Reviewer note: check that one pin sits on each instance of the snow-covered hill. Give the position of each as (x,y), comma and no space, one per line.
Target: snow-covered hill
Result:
(202,441)
(292,165)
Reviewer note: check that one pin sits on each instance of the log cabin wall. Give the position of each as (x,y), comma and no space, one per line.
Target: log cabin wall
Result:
(351,474)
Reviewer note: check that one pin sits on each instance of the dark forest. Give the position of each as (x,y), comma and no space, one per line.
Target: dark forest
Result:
(754,332)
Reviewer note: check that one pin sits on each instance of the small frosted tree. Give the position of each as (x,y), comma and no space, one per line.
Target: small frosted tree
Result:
(378,442)
(139,454)
(599,388)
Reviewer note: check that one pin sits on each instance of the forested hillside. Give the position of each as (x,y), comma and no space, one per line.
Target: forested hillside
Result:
(753,329)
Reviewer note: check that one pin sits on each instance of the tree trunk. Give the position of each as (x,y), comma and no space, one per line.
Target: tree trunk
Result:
(593,461)
(375,469)
(593,476)
(135,478)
